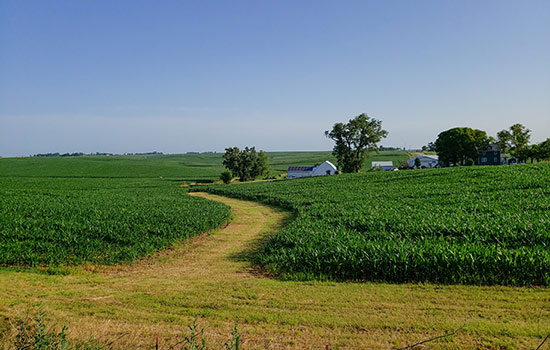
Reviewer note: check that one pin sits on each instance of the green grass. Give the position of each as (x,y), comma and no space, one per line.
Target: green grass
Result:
(33,334)
(476,225)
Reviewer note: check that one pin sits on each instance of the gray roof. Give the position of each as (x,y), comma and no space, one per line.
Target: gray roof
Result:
(432,156)
(382,163)
(300,168)
(494,147)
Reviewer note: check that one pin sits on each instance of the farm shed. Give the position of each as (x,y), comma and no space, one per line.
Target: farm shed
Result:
(426,161)
(385,165)
(326,168)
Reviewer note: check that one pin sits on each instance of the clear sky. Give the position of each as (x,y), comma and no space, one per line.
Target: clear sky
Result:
(177,76)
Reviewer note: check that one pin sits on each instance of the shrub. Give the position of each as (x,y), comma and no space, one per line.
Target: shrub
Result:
(226,176)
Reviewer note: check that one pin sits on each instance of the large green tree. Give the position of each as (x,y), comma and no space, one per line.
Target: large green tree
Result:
(430,147)
(260,164)
(231,160)
(544,150)
(460,145)
(515,140)
(246,164)
(540,151)
(354,140)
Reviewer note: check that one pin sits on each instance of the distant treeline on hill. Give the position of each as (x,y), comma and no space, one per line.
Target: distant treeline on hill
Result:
(78,154)
(382,148)
(142,154)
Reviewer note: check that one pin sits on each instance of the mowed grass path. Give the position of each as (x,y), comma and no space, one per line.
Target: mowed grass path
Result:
(209,276)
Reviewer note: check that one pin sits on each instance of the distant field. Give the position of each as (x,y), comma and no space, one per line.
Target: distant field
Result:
(469,225)
(185,167)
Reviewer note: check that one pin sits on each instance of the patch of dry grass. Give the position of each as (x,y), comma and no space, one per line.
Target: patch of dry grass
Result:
(207,276)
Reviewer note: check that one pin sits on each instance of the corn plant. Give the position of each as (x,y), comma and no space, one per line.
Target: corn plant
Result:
(234,342)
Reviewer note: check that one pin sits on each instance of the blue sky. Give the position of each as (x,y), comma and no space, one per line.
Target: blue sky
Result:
(177,76)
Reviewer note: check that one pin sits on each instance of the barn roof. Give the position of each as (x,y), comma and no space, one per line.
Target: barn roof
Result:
(382,163)
(300,168)
(431,156)
(493,147)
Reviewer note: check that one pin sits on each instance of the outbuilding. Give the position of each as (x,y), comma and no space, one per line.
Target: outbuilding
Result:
(426,161)
(384,165)
(326,168)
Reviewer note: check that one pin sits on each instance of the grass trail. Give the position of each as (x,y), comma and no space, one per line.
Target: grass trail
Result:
(209,276)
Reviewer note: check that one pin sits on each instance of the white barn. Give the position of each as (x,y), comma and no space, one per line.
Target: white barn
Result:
(326,168)
(426,161)
(385,165)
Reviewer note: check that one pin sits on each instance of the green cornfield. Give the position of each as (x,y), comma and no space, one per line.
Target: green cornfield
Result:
(71,221)
(466,225)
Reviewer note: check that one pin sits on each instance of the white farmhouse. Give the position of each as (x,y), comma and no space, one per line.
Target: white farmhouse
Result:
(384,165)
(426,161)
(326,168)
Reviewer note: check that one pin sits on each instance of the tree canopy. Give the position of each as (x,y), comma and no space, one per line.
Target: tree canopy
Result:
(515,140)
(460,145)
(246,164)
(354,140)
(430,147)
(539,151)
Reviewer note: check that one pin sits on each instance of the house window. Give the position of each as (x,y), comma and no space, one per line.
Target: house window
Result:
(484,159)
(496,159)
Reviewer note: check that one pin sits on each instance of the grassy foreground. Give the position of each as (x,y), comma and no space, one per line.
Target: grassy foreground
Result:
(209,276)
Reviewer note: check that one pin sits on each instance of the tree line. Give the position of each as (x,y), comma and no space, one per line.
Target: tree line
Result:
(463,146)
(355,139)
(57,154)
(80,154)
